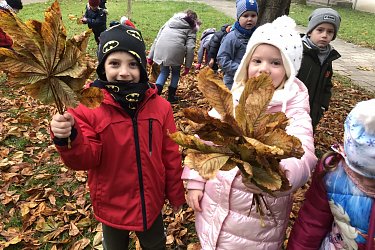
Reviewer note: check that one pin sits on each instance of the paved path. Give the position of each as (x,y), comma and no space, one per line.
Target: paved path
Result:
(356,62)
(33,1)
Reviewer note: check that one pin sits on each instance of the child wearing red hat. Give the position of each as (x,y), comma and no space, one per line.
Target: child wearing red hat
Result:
(96,18)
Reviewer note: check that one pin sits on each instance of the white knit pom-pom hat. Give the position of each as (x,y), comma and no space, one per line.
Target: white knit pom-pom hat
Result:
(282,34)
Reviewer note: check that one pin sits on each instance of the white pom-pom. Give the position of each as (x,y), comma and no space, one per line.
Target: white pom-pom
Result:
(123,20)
(364,113)
(285,21)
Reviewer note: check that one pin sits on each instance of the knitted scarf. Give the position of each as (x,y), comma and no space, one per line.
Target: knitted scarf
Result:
(247,33)
(128,95)
(323,53)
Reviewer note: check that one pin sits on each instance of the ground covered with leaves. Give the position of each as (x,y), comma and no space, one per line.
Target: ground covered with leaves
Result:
(45,205)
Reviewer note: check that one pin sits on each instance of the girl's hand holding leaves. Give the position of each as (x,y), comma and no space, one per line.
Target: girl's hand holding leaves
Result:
(246,136)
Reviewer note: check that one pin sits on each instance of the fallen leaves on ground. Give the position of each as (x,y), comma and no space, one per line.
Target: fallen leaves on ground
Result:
(363,68)
(43,204)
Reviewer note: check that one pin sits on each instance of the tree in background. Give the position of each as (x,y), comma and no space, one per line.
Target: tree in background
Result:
(269,10)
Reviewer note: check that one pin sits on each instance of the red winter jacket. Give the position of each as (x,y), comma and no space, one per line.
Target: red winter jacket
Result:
(133,165)
(316,204)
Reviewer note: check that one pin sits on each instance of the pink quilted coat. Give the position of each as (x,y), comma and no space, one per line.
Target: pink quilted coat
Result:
(226,221)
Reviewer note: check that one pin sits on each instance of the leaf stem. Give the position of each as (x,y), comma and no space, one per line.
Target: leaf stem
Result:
(58,102)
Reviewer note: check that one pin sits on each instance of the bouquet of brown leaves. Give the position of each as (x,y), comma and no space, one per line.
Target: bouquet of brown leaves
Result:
(247,136)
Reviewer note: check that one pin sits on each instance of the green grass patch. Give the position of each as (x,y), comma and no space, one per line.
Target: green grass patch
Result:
(3,77)
(346,81)
(15,220)
(356,26)
(158,12)
(18,143)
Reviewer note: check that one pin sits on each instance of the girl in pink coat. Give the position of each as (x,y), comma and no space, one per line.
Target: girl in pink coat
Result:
(222,205)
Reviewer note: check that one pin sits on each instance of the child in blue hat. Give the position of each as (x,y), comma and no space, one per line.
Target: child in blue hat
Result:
(234,44)
(339,210)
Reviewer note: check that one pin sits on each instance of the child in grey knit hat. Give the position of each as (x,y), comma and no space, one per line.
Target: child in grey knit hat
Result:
(318,55)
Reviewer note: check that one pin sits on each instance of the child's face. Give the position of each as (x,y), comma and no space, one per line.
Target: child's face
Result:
(248,19)
(122,66)
(322,35)
(267,59)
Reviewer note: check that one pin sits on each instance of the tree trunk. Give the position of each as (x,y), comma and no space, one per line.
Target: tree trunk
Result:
(288,6)
(129,11)
(269,10)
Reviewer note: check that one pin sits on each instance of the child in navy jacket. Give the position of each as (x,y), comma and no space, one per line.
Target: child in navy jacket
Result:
(96,18)
(214,45)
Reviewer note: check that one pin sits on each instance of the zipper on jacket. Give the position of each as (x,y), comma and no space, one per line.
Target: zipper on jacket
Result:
(139,168)
(150,136)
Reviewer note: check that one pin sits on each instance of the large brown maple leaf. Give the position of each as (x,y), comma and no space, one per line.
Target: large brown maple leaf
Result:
(51,67)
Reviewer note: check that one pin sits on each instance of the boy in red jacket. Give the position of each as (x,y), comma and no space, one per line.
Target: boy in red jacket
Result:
(132,163)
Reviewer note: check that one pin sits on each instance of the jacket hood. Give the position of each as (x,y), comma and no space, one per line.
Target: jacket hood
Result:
(224,27)
(178,22)
(207,32)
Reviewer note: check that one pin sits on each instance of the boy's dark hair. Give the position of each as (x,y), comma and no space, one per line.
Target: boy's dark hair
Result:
(192,14)
(15,4)
(122,38)
(192,19)
(94,3)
